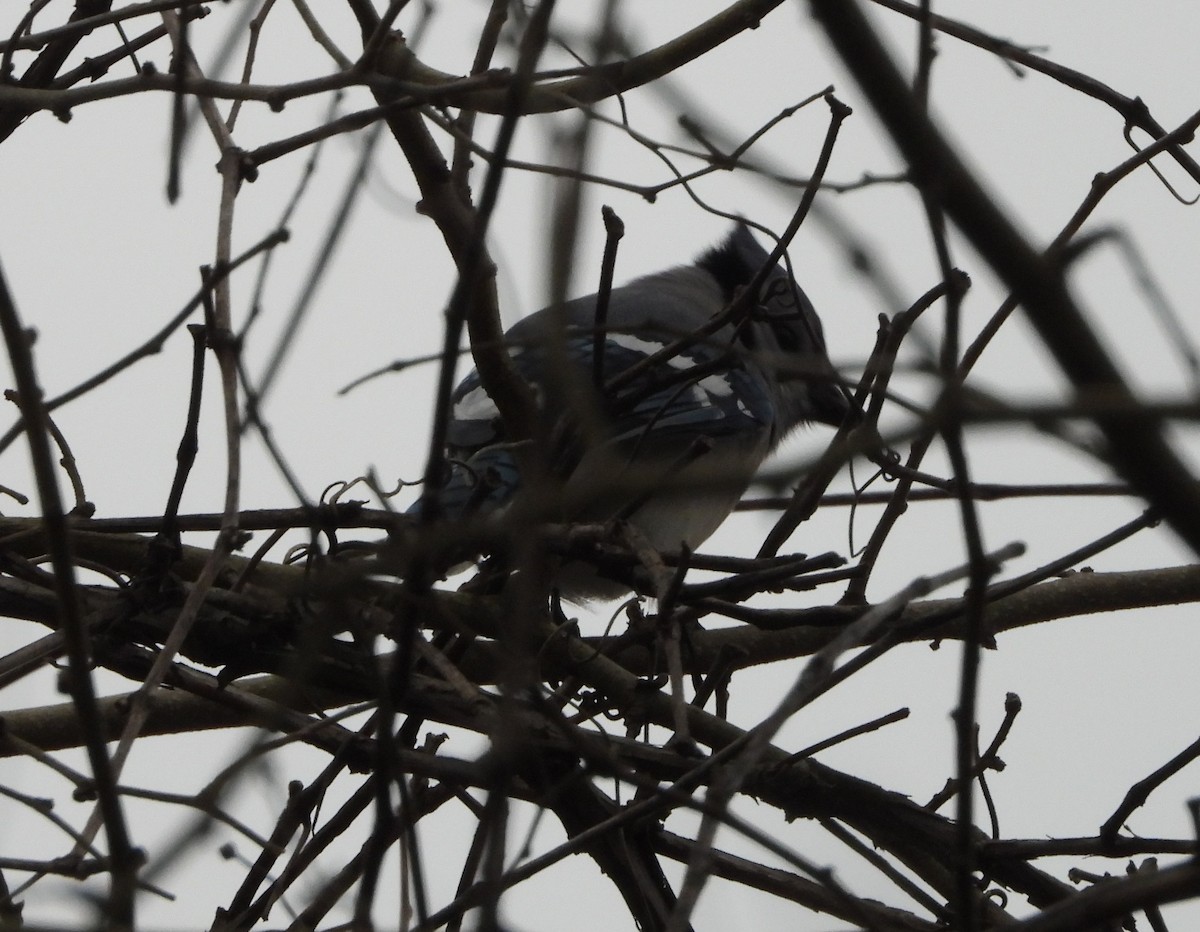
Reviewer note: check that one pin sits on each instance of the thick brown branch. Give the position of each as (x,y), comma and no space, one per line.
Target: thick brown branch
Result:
(398,61)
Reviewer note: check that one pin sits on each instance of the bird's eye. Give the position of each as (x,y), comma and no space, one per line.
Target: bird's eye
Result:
(783,310)
(786,335)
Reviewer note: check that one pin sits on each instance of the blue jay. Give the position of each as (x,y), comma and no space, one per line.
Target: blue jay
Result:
(669,442)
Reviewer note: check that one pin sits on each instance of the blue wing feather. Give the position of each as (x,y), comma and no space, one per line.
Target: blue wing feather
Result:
(702,391)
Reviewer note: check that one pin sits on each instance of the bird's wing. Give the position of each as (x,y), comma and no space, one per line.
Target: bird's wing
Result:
(704,390)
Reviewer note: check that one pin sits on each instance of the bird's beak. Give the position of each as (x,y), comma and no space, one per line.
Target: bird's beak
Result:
(832,404)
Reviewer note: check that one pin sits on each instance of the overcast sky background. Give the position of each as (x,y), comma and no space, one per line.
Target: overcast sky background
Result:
(96,260)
